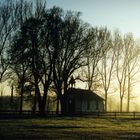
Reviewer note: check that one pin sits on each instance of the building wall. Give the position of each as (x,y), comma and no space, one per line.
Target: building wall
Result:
(88,106)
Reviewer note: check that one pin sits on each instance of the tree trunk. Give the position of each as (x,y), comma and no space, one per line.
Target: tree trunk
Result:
(128,96)
(21,98)
(121,97)
(121,104)
(128,102)
(40,106)
(106,101)
(12,93)
(43,104)
(42,109)
(57,106)
(34,103)
(63,106)
(37,96)
(42,101)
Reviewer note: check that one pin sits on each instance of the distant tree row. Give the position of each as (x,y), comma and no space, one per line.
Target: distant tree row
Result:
(41,48)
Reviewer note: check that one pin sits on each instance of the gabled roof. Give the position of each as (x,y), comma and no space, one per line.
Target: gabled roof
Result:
(82,94)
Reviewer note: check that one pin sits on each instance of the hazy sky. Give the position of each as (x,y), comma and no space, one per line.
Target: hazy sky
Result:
(121,14)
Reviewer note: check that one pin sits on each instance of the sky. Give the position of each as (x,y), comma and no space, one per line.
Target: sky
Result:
(114,14)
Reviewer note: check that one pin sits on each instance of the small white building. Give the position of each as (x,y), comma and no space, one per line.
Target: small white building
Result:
(83,101)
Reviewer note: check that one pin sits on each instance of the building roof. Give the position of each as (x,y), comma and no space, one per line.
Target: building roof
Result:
(82,94)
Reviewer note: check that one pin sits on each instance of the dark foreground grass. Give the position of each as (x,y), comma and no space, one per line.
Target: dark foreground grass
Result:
(69,129)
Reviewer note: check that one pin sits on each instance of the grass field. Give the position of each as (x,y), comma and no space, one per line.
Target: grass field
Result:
(68,128)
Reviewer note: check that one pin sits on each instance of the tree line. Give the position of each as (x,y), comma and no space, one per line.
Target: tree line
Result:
(41,49)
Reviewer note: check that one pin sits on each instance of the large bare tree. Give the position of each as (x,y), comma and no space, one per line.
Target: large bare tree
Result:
(132,55)
(107,61)
(126,54)
(69,43)
(32,56)
(120,66)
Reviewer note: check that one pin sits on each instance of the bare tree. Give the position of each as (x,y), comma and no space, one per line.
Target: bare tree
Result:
(69,42)
(94,54)
(121,65)
(126,54)
(7,25)
(19,63)
(28,52)
(132,54)
(107,62)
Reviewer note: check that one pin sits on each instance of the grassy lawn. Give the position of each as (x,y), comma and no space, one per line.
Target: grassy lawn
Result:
(69,129)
